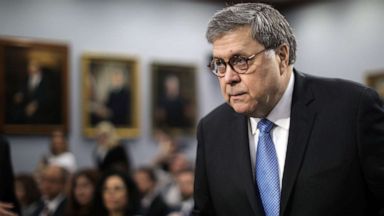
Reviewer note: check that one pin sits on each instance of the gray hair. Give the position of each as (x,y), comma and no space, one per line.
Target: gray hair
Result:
(268,26)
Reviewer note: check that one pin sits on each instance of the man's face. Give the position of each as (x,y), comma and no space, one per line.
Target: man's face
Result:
(257,91)
(185,181)
(58,144)
(52,182)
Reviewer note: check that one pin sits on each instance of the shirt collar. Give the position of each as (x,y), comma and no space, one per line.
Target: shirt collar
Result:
(280,114)
(54,204)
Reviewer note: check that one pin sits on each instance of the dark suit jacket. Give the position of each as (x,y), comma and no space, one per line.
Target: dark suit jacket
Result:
(60,210)
(7,189)
(334,161)
(157,208)
(116,158)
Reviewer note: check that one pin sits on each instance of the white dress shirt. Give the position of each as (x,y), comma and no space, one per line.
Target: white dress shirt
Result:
(280,116)
(66,160)
(52,205)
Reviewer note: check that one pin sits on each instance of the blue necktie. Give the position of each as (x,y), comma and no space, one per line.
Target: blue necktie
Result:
(267,170)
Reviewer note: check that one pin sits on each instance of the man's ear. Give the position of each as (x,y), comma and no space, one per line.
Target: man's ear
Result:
(282,53)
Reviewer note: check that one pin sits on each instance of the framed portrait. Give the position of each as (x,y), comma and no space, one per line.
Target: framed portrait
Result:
(110,93)
(33,86)
(174,98)
(375,80)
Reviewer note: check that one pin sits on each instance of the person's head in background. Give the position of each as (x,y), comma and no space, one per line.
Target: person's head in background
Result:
(253,54)
(53,181)
(145,179)
(59,143)
(82,191)
(106,135)
(178,163)
(116,194)
(167,148)
(185,180)
(26,189)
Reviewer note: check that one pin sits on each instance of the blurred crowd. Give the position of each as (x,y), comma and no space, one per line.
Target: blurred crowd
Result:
(57,187)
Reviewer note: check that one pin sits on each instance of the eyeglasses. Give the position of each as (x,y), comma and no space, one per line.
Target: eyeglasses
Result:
(238,63)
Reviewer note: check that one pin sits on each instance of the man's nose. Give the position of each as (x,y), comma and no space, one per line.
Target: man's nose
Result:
(231,76)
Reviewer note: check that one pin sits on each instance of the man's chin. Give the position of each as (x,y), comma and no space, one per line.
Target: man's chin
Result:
(240,108)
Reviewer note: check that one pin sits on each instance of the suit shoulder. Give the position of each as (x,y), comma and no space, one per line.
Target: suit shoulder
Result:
(335,86)
(220,117)
(335,83)
(220,112)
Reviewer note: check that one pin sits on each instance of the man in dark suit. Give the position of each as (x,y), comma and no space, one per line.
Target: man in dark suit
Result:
(285,143)
(152,203)
(8,203)
(53,184)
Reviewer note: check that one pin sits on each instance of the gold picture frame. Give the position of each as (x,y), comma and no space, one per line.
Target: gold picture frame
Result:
(110,93)
(33,86)
(174,101)
(375,80)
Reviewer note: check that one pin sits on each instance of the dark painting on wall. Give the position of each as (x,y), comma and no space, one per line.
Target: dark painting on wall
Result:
(174,98)
(110,93)
(33,86)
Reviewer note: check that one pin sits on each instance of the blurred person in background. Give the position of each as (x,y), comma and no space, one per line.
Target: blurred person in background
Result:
(59,153)
(151,201)
(83,186)
(171,191)
(27,193)
(116,195)
(167,148)
(8,202)
(185,182)
(110,152)
(53,183)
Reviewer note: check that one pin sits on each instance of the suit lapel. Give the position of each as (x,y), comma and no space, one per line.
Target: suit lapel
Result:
(241,153)
(302,118)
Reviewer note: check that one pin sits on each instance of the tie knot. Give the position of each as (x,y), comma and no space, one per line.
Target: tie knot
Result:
(265,125)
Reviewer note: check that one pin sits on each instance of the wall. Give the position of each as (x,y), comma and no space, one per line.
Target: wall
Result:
(335,39)
(340,39)
(150,30)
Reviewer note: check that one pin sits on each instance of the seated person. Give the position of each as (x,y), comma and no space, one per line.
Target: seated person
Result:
(27,193)
(81,193)
(59,153)
(110,152)
(151,201)
(116,194)
(53,183)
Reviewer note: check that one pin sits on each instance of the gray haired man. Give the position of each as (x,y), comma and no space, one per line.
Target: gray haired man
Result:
(284,143)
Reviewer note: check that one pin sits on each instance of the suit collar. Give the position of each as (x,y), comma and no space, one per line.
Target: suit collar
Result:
(241,156)
(303,116)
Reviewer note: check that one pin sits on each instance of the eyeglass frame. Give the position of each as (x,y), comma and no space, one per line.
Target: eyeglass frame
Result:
(247,59)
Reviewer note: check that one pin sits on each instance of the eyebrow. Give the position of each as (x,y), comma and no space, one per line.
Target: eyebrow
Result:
(235,54)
